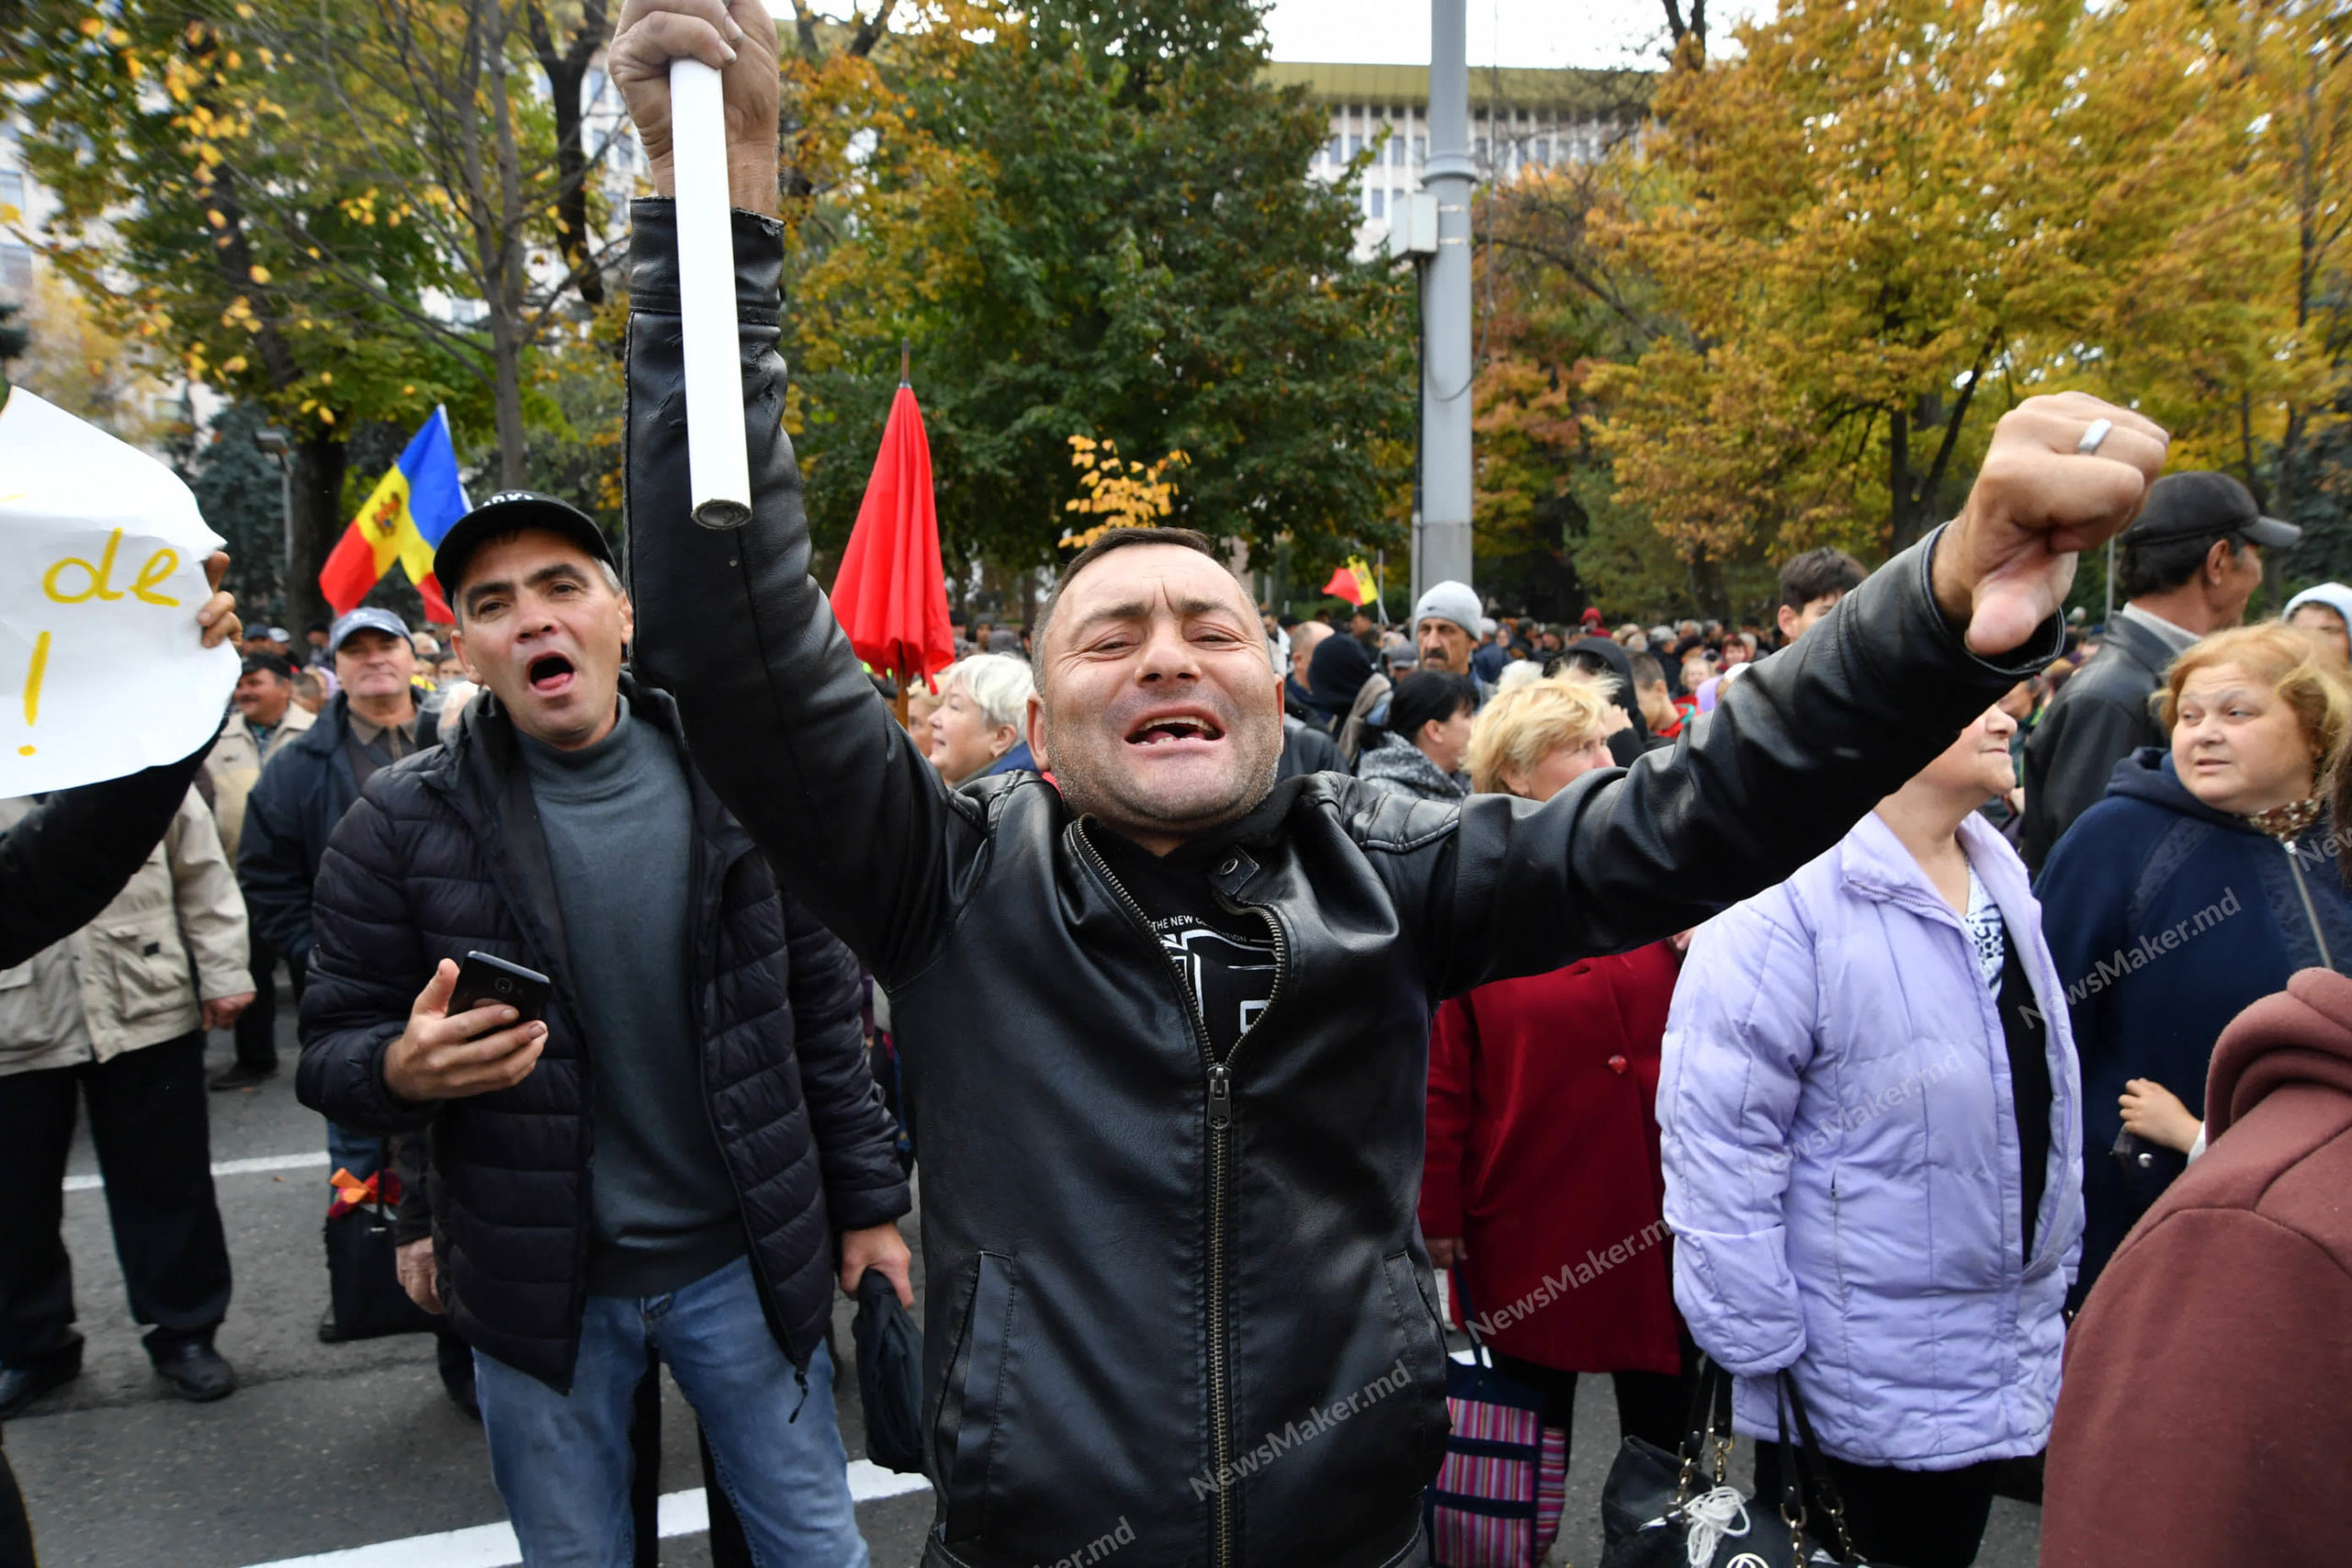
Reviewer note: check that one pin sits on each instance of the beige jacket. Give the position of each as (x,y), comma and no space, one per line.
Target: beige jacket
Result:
(236,762)
(134,975)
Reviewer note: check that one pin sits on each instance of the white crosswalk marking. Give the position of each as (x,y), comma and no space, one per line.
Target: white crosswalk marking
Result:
(317,1158)
(493,1546)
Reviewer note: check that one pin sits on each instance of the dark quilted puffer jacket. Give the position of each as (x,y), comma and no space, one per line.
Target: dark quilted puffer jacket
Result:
(443,855)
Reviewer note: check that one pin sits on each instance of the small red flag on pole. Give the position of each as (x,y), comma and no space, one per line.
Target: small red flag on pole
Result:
(890,594)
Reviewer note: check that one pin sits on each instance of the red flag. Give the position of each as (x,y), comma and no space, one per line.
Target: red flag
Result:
(1344,585)
(890,594)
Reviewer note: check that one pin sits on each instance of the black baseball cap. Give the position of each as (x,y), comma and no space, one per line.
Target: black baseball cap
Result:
(2205,504)
(511,512)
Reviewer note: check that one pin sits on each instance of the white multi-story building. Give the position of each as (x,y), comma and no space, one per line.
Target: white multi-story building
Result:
(1520,120)
(17,191)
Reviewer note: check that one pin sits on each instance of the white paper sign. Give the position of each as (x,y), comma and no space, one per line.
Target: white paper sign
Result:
(102,553)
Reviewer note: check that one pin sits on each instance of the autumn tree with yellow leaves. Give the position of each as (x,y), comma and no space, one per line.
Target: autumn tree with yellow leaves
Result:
(1123,493)
(1886,222)
(285,199)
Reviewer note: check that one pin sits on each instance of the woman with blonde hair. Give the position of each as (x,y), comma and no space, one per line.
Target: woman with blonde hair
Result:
(2203,880)
(1542,1086)
(983,708)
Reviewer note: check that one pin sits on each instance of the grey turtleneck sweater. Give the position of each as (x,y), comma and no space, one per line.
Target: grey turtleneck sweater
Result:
(619,829)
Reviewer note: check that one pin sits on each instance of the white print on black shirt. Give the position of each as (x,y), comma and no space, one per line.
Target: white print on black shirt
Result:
(1231,978)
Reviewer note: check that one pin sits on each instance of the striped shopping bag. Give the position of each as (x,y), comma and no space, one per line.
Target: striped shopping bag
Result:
(1497,1500)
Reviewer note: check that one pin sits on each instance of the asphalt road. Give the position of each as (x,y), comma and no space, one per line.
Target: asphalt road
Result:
(336,1449)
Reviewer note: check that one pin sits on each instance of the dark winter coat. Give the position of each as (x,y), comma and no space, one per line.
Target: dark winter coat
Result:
(2099,717)
(290,815)
(1397,766)
(443,855)
(1153,1275)
(2168,919)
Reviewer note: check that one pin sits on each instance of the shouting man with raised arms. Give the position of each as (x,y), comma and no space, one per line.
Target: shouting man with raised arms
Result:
(1165,1019)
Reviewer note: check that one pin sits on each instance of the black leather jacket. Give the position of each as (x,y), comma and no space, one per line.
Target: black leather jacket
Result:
(1180,1302)
(65,861)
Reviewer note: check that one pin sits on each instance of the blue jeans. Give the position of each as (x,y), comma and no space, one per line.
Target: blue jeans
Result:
(562,1464)
(358,1153)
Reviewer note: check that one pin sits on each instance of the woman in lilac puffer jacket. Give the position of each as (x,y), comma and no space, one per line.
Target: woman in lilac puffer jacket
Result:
(1871,1127)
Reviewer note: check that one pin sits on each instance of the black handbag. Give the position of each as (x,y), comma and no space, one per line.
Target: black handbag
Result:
(1655,1506)
(363,1276)
(889,1375)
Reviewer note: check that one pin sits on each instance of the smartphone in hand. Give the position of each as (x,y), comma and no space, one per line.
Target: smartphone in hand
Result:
(484,980)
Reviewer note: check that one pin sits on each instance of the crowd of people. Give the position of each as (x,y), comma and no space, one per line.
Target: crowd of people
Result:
(1923,1000)
(1888,1120)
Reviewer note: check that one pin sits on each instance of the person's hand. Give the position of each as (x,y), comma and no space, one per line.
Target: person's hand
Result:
(2004,566)
(444,1056)
(1614,719)
(876,1246)
(218,619)
(419,1277)
(735,38)
(2155,1113)
(219,1012)
(1445,1251)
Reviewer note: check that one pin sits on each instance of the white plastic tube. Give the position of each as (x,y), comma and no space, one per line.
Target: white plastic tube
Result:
(721,475)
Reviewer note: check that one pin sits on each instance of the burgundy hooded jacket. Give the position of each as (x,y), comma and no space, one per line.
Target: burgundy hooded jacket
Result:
(2206,1416)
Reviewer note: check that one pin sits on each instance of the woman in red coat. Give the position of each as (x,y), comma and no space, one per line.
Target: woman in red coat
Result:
(1541,1186)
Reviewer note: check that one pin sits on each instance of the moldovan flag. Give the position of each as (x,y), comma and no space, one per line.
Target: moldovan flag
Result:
(1351,582)
(417,500)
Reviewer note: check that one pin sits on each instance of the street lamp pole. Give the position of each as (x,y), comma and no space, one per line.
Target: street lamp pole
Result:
(1442,550)
(274,442)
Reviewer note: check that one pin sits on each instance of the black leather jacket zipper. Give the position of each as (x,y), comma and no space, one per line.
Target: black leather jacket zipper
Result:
(1220,1135)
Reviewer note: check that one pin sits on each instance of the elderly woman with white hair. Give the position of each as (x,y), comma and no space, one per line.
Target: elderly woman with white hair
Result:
(975,730)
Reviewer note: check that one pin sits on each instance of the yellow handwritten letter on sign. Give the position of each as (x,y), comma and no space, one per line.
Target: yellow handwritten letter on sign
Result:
(102,556)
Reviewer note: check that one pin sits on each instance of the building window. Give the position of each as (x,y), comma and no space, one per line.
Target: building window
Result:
(1332,152)
(12,188)
(1379,196)
(15,269)
(1421,150)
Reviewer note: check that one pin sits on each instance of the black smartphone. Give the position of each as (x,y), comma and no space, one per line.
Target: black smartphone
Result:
(484,980)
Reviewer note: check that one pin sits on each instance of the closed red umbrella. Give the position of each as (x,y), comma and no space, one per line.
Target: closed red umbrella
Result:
(890,594)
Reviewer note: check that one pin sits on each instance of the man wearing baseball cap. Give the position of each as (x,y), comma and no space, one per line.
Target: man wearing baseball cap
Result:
(664,1164)
(371,723)
(2185,568)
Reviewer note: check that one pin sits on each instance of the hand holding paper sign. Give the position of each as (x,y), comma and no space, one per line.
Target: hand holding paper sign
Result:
(106,566)
(217,623)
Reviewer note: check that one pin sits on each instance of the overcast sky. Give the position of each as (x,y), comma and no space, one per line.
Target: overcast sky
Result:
(1531,32)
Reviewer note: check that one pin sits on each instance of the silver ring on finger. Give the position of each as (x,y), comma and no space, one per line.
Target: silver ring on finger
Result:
(2100,429)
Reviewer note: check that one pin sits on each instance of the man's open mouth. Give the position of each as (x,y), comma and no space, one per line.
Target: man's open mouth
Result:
(549,673)
(1173,728)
